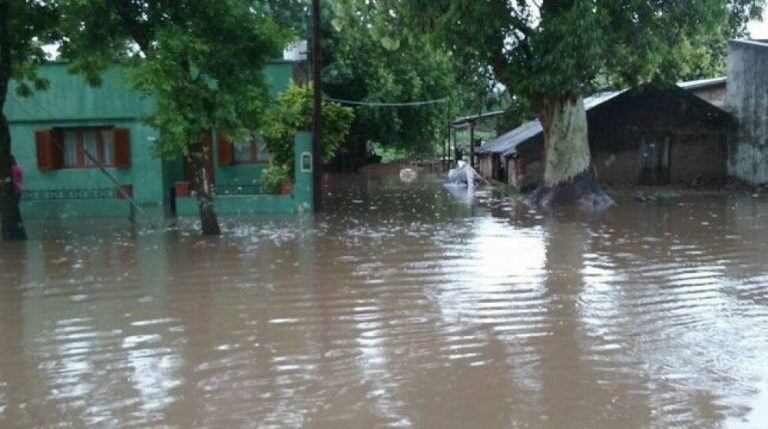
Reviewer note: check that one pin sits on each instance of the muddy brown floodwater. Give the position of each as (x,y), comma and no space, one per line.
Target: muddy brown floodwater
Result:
(402,307)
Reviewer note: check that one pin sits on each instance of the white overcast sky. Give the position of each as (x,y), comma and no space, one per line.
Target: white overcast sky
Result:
(759,30)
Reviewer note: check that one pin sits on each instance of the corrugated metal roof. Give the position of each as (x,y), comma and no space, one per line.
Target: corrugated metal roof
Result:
(510,139)
(752,42)
(506,144)
(703,83)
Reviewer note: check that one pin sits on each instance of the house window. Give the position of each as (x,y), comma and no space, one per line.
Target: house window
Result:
(253,151)
(85,147)
(82,147)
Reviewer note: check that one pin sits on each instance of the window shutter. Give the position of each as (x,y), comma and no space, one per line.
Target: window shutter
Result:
(49,155)
(226,150)
(122,141)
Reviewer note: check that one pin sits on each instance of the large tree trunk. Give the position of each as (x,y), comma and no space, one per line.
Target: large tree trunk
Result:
(203,186)
(569,178)
(11,225)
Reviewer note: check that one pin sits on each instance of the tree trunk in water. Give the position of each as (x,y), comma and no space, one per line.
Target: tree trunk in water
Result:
(203,186)
(11,226)
(569,179)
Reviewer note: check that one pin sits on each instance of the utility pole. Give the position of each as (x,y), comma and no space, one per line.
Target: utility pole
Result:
(317,126)
(447,143)
(472,143)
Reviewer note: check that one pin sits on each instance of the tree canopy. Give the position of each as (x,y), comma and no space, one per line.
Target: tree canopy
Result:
(376,60)
(559,47)
(201,60)
(369,56)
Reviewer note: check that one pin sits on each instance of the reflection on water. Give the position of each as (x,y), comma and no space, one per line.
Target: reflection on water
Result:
(404,307)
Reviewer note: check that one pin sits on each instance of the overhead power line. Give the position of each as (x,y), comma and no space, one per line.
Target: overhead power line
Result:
(394,104)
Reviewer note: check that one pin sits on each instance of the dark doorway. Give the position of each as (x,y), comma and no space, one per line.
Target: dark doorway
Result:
(499,172)
(654,160)
(172,205)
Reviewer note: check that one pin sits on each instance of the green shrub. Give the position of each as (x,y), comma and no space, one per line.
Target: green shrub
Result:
(272,177)
(291,113)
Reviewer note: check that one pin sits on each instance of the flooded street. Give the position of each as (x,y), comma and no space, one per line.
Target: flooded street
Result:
(404,306)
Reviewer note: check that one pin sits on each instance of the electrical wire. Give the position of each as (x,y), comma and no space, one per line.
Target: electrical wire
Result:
(394,104)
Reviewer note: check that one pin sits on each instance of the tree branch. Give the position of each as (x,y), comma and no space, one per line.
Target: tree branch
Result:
(128,17)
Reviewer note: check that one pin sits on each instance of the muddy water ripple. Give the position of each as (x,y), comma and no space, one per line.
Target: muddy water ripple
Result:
(401,307)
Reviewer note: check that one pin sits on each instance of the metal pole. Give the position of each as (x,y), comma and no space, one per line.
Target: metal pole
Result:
(452,147)
(317,126)
(447,143)
(472,143)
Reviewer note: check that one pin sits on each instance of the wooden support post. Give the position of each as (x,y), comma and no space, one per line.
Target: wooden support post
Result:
(472,143)
(447,144)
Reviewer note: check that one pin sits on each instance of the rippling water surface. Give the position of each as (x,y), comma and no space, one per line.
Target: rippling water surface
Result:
(402,307)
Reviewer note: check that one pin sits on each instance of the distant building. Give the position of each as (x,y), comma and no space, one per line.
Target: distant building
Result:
(53,131)
(748,102)
(646,136)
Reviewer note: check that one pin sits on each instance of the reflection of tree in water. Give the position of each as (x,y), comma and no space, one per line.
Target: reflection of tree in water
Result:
(657,284)
(66,328)
(251,340)
(573,391)
(442,297)
(14,372)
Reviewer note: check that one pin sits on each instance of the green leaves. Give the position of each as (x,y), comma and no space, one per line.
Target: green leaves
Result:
(292,113)
(552,49)
(272,178)
(202,60)
(374,55)
(390,43)
(25,26)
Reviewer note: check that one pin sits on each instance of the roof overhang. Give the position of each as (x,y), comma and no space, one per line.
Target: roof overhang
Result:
(704,83)
(753,43)
(466,120)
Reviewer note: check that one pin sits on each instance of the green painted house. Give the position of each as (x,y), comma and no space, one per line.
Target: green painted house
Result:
(62,137)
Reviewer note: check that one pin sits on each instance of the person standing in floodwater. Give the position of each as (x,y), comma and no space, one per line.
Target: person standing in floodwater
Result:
(17,176)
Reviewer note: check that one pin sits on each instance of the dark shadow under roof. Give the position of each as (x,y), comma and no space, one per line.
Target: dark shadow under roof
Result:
(507,144)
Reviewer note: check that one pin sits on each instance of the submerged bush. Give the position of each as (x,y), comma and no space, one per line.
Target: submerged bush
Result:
(293,113)
(272,177)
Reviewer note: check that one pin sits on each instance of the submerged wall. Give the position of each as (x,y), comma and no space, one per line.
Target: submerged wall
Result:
(748,102)
(300,200)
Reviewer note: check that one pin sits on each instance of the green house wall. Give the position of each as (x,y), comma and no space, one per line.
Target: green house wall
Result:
(299,201)
(71,102)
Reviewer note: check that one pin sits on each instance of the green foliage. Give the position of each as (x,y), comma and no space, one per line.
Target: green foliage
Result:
(201,60)
(516,112)
(372,57)
(25,27)
(293,14)
(273,177)
(549,50)
(369,54)
(291,113)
